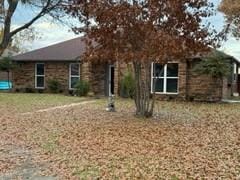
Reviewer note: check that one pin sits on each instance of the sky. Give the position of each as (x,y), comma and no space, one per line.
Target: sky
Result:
(51,32)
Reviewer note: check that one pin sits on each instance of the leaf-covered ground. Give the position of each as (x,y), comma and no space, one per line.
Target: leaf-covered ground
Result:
(183,141)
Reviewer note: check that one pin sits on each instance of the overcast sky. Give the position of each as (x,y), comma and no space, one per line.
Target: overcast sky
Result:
(52,33)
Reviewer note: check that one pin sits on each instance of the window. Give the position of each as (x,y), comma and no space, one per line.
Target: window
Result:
(165,78)
(74,75)
(39,76)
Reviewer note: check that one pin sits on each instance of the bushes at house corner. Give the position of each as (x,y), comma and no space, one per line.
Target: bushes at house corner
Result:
(82,88)
(127,85)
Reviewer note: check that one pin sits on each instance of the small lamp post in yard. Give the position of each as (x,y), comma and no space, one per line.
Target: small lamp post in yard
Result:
(111,104)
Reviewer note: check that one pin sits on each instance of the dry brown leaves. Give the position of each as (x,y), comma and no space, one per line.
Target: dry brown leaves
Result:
(184,140)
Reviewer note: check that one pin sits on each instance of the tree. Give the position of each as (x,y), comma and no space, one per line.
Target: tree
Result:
(142,32)
(8,8)
(231,8)
(7,65)
(16,44)
(216,65)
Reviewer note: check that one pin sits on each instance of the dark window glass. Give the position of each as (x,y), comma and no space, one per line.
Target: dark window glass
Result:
(74,81)
(40,81)
(158,70)
(40,69)
(172,85)
(172,70)
(158,85)
(75,69)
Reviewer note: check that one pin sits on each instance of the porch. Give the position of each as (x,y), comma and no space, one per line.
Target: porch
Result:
(104,79)
(231,84)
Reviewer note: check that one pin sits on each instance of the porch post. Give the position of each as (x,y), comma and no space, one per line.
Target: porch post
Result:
(116,80)
(237,78)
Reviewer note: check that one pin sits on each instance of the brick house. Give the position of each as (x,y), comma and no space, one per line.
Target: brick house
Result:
(62,62)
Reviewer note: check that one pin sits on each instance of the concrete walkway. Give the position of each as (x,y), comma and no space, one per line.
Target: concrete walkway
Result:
(24,167)
(230,101)
(59,107)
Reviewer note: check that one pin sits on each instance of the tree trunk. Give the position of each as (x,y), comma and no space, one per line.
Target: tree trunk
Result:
(1,51)
(143,101)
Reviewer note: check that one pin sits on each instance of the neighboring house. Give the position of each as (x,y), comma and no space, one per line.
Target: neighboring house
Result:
(62,62)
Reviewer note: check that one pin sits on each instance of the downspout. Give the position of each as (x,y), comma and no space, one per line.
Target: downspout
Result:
(237,78)
(187,80)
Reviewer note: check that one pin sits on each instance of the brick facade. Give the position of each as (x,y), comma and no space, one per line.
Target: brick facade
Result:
(203,87)
(95,74)
(190,85)
(24,75)
(4,76)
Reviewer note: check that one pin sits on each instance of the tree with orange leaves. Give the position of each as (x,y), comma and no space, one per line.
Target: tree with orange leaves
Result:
(141,32)
(231,8)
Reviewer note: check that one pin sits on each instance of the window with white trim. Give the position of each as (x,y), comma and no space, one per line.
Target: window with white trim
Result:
(74,74)
(39,76)
(165,78)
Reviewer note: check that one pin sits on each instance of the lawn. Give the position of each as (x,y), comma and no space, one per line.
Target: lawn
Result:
(29,102)
(182,141)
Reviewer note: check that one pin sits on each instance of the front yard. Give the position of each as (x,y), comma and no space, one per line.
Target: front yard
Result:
(183,141)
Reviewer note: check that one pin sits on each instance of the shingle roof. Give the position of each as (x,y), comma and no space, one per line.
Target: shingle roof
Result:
(68,51)
(65,51)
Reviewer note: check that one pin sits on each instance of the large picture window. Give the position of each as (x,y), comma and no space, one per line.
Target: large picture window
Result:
(74,75)
(165,78)
(39,76)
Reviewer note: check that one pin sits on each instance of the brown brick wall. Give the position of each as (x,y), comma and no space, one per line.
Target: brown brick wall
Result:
(4,76)
(98,78)
(191,86)
(57,71)
(24,76)
(203,87)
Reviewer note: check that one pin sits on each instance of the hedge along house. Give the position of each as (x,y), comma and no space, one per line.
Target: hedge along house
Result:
(62,62)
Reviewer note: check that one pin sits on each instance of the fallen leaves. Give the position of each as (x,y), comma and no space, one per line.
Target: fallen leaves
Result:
(191,140)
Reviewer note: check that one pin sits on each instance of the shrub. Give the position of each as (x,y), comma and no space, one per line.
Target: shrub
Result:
(54,86)
(127,85)
(216,65)
(29,90)
(81,88)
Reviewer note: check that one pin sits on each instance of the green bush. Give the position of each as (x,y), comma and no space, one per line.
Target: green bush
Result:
(29,90)
(217,65)
(127,85)
(54,86)
(81,88)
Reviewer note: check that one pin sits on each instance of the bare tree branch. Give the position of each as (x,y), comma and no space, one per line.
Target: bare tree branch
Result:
(46,8)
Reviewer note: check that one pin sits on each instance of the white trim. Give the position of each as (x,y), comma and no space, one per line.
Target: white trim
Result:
(72,76)
(152,78)
(110,78)
(165,78)
(36,76)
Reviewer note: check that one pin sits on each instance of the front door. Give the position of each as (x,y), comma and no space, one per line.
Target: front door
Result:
(110,80)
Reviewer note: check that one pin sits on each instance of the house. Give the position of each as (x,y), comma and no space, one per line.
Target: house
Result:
(62,62)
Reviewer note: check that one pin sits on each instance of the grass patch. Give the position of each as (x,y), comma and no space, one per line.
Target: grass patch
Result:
(87,172)
(25,102)
(50,145)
